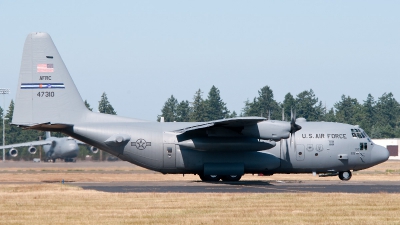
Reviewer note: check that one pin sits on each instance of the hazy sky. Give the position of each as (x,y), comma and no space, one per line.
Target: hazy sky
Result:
(142,52)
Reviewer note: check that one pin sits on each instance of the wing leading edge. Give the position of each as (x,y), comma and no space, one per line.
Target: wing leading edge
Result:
(26,144)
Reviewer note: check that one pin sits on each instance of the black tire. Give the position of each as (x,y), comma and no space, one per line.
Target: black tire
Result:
(231,178)
(345,176)
(209,177)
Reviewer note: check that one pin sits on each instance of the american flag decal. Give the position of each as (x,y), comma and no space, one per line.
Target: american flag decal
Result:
(42,86)
(45,68)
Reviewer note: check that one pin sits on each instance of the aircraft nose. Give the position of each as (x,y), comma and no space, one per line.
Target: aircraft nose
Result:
(379,154)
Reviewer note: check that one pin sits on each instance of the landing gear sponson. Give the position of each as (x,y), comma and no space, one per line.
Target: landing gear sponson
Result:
(220,177)
(69,160)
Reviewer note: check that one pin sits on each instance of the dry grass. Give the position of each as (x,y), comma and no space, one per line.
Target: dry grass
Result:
(63,204)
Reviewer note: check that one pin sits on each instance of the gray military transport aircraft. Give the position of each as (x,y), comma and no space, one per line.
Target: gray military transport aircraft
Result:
(65,148)
(47,99)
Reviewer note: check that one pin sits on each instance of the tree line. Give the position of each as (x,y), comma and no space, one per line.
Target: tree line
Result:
(379,118)
(15,134)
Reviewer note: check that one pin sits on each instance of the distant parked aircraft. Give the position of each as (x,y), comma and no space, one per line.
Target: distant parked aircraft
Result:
(65,148)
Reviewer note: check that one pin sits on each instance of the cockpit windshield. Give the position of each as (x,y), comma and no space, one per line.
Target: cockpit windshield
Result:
(358,133)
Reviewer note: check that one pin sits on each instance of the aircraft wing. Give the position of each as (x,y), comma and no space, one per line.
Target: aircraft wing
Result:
(32,143)
(80,142)
(225,123)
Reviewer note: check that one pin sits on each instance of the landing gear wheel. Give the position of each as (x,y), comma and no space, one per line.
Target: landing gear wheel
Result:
(231,178)
(345,176)
(209,177)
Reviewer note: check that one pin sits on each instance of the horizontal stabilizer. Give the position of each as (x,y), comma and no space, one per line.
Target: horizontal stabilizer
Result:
(45,126)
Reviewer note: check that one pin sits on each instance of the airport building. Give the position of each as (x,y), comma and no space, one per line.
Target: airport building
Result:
(392,145)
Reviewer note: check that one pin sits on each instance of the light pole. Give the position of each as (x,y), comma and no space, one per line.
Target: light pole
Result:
(4,92)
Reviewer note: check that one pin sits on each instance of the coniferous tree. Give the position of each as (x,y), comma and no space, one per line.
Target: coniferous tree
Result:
(289,104)
(330,116)
(251,108)
(348,110)
(214,106)
(387,115)
(233,115)
(308,107)
(198,113)
(183,111)
(368,110)
(387,109)
(105,106)
(88,106)
(263,104)
(169,110)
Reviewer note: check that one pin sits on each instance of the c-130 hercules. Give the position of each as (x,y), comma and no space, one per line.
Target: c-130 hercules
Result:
(48,100)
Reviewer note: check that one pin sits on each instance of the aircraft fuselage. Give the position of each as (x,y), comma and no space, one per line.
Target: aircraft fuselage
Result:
(318,147)
(63,148)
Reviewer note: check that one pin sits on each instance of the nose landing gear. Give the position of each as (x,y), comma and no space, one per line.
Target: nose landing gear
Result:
(345,176)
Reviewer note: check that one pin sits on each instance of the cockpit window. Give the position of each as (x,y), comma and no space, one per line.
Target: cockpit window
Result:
(358,133)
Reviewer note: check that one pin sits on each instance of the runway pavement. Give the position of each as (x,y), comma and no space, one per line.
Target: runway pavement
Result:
(193,186)
(60,164)
(245,187)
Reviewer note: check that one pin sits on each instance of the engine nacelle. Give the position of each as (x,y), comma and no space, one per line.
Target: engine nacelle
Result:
(94,150)
(268,130)
(32,150)
(13,152)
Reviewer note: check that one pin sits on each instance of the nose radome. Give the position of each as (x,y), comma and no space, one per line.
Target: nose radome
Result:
(379,154)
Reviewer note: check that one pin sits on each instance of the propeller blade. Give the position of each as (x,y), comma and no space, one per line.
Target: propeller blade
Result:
(293,128)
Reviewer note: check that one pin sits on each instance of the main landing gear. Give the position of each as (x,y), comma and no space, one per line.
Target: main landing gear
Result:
(220,177)
(345,176)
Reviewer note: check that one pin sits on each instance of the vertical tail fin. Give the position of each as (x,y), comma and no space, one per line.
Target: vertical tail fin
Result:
(45,92)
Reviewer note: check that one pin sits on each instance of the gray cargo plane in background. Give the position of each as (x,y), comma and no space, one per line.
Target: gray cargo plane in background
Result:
(47,99)
(65,148)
